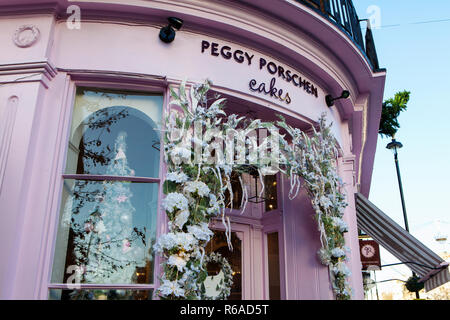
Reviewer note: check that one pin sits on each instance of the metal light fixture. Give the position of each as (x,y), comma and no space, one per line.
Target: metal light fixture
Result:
(330,100)
(255,175)
(394,145)
(167,33)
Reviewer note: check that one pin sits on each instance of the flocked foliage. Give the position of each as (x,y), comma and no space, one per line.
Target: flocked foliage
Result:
(391,110)
(195,190)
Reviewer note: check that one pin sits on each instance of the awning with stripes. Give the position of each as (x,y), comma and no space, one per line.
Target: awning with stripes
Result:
(431,268)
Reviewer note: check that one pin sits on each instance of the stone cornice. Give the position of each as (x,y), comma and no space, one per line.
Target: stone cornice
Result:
(29,8)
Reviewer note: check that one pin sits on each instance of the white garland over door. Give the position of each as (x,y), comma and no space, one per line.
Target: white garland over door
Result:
(195,188)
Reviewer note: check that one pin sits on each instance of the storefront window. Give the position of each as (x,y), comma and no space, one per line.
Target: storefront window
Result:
(271,198)
(237,192)
(273,257)
(108,217)
(218,244)
(254,186)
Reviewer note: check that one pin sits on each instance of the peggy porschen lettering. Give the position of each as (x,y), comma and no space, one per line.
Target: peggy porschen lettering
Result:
(275,70)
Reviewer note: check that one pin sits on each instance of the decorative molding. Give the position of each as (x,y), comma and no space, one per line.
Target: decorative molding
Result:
(7,120)
(115,77)
(348,163)
(26,35)
(29,9)
(42,71)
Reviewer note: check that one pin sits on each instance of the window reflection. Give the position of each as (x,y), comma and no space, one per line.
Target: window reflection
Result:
(237,192)
(106,233)
(107,228)
(271,199)
(253,184)
(97,123)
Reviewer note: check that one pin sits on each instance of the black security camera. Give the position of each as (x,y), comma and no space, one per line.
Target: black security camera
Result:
(167,33)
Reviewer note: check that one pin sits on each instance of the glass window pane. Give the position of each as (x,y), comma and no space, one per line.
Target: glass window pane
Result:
(274,266)
(95,294)
(106,232)
(237,192)
(218,244)
(270,183)
(109,126)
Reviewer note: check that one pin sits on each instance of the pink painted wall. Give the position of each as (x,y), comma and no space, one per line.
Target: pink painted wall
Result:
(36,99)
(306,277)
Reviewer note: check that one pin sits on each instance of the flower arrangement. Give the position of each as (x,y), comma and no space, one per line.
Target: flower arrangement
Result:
(313,158)
(198,175)
(224,286)
(194,193)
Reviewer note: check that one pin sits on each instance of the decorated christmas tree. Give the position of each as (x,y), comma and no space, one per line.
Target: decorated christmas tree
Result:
(106,244)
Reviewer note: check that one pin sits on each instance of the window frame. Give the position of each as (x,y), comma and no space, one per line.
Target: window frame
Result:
(106,82)
(268,229)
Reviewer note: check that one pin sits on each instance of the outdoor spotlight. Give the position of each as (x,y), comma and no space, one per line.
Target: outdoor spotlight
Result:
(167,33)
(330,100)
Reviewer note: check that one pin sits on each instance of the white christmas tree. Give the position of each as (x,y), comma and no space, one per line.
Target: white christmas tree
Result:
(110,247)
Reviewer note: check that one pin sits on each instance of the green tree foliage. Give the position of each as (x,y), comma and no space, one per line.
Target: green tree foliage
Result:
(391,110)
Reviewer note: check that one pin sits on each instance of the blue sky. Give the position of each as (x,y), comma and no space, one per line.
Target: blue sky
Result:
(417,58)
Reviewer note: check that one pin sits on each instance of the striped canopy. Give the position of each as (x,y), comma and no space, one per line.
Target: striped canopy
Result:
(431,268)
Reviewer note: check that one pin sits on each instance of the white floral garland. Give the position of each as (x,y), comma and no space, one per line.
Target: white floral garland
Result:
(195,193)
(314,159)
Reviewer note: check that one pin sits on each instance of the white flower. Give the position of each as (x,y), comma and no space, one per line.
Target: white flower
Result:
(341,267)
(201,231)
(341,210)
(325,202)
(178,177)
(180,155)
(214,205)
(171,287)
(176,260)
(324,256)
(175,200)
(181,218)
(187,275)
(338,222)
(338,252)
(347,291)
(197,186)
(172,240)
(100,227)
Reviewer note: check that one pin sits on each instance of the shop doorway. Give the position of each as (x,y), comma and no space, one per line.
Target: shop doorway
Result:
(218,244)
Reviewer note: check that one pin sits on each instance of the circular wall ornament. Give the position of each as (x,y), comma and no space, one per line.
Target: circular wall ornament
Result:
(26,35)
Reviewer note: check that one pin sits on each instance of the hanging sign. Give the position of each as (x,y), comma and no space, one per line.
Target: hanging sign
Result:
(370,254)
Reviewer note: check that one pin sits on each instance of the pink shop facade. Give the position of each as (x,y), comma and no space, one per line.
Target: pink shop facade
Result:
(85,84)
